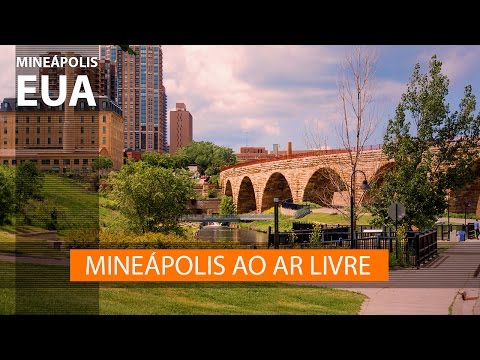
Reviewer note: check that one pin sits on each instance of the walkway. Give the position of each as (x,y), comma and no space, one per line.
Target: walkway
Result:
(435,289)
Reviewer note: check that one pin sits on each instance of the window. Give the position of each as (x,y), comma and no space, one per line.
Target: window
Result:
(93,141)
(49,141)
(81,141)
(38,141)
(14,161)
(16,119)
(16,141)
(49,119)
(4,141)
(48,129)
(104,105)
(82,106)
(60,130)
(66,161)
(60,119)
(76,161)
(4,130)
(93,130)
(56,162)
(46,162)
(104,119)
(38,130)
(104,129)
(27,130)
(38,119)
(82,119)
(60,141)
(93,119)
(27,119)
(5,162)
(85,161)
(81,130)
(16,129)
(27,141)
(4,119)
(104,140)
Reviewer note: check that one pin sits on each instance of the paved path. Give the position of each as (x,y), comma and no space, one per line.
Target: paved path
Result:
(39,260)
(435,289)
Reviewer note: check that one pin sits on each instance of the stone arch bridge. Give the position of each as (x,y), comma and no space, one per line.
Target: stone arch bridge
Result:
(254,184)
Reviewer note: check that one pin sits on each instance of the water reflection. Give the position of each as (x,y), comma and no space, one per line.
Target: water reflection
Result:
(216,233)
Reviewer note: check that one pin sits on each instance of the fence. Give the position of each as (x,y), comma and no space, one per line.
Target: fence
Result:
(415,249)
(443,229)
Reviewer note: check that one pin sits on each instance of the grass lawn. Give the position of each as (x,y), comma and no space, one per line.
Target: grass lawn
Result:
(229,299)
(58,296)
(285,222)
(335,219)
(77,207)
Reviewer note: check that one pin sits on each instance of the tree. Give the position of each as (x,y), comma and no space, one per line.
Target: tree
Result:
(150,197)
(356,88)
(128,49)
(227,207)
(7,193)
(209,156)
(101,164)
(433,154)
(28,186)
(166,161)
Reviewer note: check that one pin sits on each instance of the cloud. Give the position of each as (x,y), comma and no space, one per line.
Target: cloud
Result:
(262,95)
(267,91)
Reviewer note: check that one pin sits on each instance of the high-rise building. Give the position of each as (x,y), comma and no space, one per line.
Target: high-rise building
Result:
(63,138)
(181,128)
(139,91)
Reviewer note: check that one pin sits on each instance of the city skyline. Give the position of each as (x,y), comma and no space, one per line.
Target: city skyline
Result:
(264,95)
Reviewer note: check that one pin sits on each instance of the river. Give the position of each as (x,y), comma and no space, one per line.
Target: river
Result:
(216,233)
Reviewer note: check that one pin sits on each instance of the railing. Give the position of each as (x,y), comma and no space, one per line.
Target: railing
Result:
(302,212)
(301,155)
(414,250)
(425,247)
(225,218)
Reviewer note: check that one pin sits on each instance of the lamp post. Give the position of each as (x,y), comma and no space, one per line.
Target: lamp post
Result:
(276,242)
(448,216)
(363,186)
(465,204)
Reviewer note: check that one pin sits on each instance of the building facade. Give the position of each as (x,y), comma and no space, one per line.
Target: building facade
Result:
(61,138)
(140,93)
(181,127)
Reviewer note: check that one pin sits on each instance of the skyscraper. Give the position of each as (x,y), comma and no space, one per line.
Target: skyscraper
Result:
(139,91)
(180,127)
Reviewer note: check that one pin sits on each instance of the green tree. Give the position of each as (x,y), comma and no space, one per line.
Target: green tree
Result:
(7,193)
(433,149)
(227,207)
(101,164)
(28,186)
(166,161)
(209,156)
(151,197)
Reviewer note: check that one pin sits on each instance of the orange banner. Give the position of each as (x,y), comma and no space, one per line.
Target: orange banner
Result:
(229,265)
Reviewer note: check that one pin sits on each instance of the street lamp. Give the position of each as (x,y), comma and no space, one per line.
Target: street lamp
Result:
(465,204)
(363,186)
(448,216)
(276,241)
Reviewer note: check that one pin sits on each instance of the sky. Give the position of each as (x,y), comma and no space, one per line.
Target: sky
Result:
(260,95)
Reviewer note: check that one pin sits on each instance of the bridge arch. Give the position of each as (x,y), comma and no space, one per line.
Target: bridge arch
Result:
(246,201)
(277,186)
(322,185)
(376,181)
(228,189)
